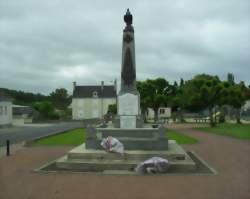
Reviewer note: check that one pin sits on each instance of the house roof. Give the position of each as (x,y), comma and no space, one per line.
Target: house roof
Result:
(4,96)
(20,110)
(87,91)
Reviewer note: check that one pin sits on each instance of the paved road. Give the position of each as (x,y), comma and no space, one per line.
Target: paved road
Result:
(23,133)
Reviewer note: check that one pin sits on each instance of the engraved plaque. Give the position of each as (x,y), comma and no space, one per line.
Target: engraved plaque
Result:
(128,122)
(128,104)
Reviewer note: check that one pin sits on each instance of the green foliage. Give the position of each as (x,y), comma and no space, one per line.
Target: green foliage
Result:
(203,92)
(65,114)
(112,108)
(24,98)
(199,93)
(230,78)
(154,94)
(60,98)
(46,110)
(45,105)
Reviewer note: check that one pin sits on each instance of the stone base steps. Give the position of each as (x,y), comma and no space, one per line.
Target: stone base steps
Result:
(86,160)
(134,143)
(104,165)
(175,152)
(132,133)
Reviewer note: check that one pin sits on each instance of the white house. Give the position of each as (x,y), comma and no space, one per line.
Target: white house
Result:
(246,106)
(5,109)
(92,101)
(163,112)
(22,114)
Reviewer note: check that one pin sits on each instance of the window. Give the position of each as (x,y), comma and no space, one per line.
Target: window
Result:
(5,110)
(95,94)
(162,111)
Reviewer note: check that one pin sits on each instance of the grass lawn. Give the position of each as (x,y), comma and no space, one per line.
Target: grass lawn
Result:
(241,131)
(77,137)
(73,137)
(180,138)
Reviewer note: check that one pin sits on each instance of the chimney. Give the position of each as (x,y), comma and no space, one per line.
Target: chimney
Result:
(74,86)
(102,85)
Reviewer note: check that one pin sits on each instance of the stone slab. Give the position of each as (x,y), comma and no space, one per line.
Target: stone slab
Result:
(132,139)
(133,133)
(128,104)
(174,151)
(127,121)
(127,165)
(134,143)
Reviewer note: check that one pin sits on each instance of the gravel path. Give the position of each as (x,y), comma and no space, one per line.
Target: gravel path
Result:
(229,156)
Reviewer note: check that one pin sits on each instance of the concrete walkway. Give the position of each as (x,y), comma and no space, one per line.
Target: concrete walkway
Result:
(229,156)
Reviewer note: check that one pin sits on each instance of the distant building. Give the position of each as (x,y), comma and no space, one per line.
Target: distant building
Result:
(163,112)
(246,106)
(5,109)
(22,114)
(245,111)
(90,102)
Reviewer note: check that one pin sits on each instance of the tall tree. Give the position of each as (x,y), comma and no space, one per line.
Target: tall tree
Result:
(24,98)
(46,110)
(204,91)
(179,101)
(60,98)
(230,78)
(154,94)
(181,82)
(238,94)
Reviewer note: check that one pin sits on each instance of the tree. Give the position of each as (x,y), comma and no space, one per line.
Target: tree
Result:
(60,98)
(24,98)
(230,78)
(179,101)
(204,91)
(112,108)
(154,94)
(46,110)
(234,95)
(238,94)
(182,82)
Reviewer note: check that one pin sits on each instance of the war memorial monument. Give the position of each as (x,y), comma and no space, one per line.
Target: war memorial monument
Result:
(141,141)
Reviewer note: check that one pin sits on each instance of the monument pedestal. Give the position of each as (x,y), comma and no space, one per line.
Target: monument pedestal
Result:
(132,138)
(88,160)
(128,110)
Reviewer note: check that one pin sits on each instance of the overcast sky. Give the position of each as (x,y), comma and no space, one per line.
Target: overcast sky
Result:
(48,44)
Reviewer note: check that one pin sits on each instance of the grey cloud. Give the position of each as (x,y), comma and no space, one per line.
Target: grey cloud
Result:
(50,44)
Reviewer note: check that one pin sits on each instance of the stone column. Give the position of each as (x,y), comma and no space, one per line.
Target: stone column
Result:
(128,97)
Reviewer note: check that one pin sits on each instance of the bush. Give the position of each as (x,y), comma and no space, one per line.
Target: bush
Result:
(53,115)
(46,111)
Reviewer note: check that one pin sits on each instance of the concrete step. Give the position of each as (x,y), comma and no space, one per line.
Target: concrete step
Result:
(137,144)
(175,152)
(95,165)
(106,165)
(134,133)
(126,156)
(82,159)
